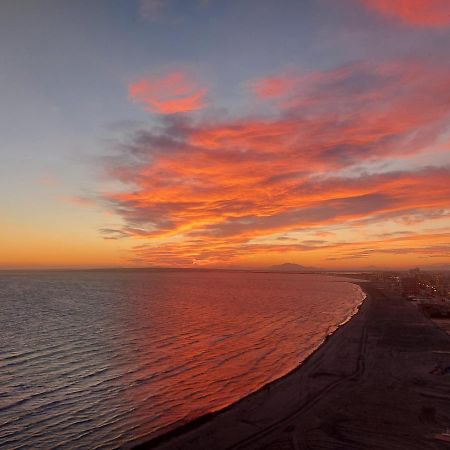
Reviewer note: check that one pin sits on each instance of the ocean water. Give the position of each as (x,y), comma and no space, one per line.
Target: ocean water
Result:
(101,359)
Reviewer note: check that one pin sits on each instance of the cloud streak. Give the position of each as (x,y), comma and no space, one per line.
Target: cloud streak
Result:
(419,13)
(209,192)
(171,93)
(152,9)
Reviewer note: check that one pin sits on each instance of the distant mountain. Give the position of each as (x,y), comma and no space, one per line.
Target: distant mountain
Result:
(290,267)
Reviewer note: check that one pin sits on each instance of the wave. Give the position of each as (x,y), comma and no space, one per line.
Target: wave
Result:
(139,354)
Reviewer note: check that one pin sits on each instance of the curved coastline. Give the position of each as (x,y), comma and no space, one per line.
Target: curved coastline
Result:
(373,384)
(170,439)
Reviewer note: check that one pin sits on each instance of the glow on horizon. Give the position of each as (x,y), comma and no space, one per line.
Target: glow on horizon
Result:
(334,164)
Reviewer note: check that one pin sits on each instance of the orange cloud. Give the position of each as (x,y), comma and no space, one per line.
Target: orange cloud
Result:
(172,93)
(213,192)
(430,13)
(423,245)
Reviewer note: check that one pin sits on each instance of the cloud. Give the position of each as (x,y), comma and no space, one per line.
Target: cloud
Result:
(78,200)
(171,93)
(209,191)
(423,245)
(113,234)
(152,9)
(48,180)
(422,13)
(274,86)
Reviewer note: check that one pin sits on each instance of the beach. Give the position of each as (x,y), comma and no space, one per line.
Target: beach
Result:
(378,382)
(443,323)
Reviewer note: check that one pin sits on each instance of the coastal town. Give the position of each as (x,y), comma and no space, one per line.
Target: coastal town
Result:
(429,291)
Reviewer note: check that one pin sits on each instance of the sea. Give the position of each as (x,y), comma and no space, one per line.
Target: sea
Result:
(105,359)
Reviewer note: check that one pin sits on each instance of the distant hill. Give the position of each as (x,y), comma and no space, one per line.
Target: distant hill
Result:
(289,267)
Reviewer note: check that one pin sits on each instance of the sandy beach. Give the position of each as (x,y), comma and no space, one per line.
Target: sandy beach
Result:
(376,383)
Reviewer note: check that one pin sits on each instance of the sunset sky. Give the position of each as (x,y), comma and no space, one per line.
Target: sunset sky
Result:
(217,133)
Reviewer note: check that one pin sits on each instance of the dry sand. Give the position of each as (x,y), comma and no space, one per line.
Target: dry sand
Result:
(369,386)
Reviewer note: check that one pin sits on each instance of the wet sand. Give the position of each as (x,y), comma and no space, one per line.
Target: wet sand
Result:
(372,385)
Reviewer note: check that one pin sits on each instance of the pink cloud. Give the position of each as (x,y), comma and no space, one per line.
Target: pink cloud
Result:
(171,93)
(429,13)
(275,86)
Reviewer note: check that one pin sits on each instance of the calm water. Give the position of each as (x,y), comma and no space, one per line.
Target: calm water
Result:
(100,359)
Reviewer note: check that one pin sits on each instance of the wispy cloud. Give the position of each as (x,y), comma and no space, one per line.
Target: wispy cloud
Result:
(112,233)
(423,245)
(274,86)
(152,9)
(78,200)
(171,93)
(48,180)
(209,191)
(422,13)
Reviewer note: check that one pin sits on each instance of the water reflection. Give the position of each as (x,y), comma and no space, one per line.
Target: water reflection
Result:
(109,357)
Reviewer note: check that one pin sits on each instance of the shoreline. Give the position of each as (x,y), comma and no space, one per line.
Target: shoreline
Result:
(195,424)
(381,358)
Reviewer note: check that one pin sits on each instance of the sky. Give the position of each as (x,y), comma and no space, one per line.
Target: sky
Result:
(210,133)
